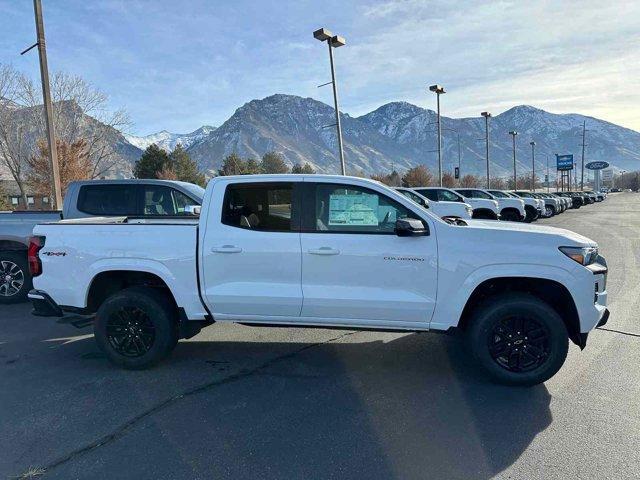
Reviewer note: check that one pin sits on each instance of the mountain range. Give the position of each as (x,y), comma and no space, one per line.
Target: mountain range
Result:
(397,135)
(400,135)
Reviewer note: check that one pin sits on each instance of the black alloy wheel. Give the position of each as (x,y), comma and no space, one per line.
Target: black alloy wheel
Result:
(519,344)
(130,332)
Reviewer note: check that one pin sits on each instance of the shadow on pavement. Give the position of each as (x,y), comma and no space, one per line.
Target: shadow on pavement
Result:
(410,406)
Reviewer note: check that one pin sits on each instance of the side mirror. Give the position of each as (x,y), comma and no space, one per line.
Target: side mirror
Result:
(192,209)
(410,227)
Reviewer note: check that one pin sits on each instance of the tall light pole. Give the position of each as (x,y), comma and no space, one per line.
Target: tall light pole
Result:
(486,116)
(513,134)
(439,90)
(584,133)
(533,166)
(48,107)
(334,41)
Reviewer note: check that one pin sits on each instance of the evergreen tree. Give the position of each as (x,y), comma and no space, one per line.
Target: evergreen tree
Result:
(153,161)
(306,168)
(251,167)
(273,162)
(232,165)
(185,168)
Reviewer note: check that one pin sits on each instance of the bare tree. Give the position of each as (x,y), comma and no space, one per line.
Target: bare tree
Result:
(15,147)
(79,113)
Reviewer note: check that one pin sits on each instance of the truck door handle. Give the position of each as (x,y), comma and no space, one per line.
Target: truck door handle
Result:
(226,249)
(324,251)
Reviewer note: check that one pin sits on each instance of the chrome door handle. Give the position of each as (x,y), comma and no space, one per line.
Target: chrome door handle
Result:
(324,251)
(226,249)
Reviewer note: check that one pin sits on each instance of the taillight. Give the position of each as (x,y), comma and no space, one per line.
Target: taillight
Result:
(35,266)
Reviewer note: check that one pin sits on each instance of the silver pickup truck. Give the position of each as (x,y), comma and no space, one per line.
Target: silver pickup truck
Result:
(101,198)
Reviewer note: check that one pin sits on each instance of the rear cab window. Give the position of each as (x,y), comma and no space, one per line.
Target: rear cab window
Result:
(108,200)
(266,207)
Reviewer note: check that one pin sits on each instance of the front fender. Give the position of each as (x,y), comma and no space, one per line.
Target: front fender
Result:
(455,290)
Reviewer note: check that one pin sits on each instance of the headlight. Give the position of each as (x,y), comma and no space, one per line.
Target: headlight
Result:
(469,210)
(582,255)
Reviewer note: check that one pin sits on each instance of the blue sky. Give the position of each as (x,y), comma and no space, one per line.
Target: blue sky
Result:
(177,65)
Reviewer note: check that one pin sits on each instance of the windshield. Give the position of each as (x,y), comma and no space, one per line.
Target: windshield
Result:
(498,194)
(196,192)
(414,197)
(449,196)
(524,194)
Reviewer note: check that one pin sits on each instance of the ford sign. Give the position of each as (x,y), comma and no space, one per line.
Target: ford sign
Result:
(596,165)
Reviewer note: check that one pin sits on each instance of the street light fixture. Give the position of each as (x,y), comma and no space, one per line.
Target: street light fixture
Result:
(439,90)
(334,41)
(513,134)
(533,166)
(486,116)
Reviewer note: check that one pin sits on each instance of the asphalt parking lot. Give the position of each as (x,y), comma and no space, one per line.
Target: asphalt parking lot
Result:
(239,402)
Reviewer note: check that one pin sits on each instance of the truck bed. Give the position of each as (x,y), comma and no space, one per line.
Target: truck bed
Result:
(77,250)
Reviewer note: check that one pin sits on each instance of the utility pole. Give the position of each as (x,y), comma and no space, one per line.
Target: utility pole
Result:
(513,134)
(547,182)
(533,166)
(334,41)
(486,116)
(439,90)
(584,132)
(48,107)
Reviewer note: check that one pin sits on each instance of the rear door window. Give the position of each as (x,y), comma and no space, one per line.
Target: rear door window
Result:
(108,200)
(263,207)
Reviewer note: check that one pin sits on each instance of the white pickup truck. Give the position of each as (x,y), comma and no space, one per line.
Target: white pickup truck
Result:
(322,251)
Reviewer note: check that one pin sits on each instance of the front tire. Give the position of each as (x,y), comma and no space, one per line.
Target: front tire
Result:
(15,279)
(518,339)
(137,327)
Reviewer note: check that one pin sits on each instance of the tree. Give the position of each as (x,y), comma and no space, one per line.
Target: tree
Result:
(470,181)
(498,183)
(232,165)
(80,112)
(251,167)
(306,168)
(73,164)
(391,179)
(448,180)
(153,161)
(4,202)
(418,176)
(273,162)
(185,168)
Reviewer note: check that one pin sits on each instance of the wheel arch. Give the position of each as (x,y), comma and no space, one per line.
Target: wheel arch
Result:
(551,291)
(108,282)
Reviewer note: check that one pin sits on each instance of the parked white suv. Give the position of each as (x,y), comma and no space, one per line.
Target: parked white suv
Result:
(328,252)
(480,209)
(442,209)
(484,205)
(532,206)
(511,209)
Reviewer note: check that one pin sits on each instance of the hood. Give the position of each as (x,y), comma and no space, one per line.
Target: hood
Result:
(565,237)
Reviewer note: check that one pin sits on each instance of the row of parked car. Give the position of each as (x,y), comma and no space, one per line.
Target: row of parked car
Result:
(490,204)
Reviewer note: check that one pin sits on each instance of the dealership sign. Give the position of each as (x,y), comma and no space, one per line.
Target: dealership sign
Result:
(596,165)
(564,162)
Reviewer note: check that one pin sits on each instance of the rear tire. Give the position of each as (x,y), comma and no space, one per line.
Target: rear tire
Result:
(136,327)
(15,279)
(518,339)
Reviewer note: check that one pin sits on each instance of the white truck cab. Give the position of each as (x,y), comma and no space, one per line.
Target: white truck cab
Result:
(442,209)
(328,252)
